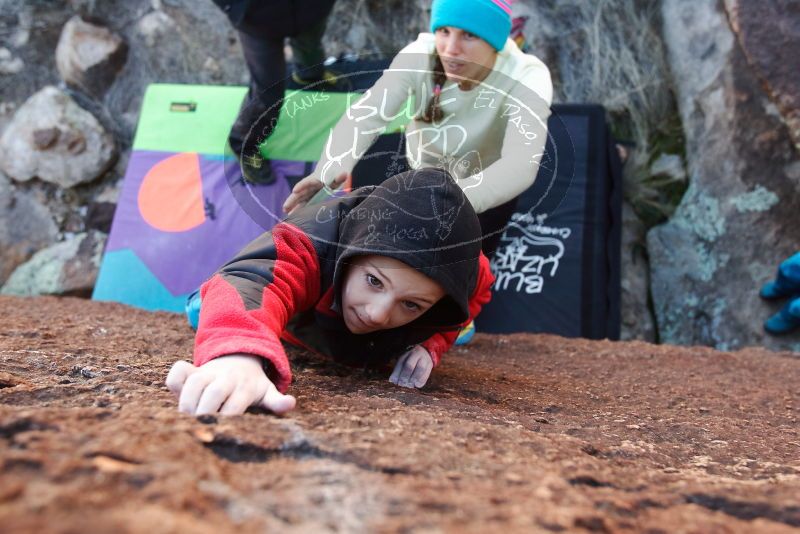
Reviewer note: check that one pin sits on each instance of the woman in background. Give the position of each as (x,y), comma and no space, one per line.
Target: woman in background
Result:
(480,111)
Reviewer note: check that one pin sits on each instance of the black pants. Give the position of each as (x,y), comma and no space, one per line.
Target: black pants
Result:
(262,28)
(493,221)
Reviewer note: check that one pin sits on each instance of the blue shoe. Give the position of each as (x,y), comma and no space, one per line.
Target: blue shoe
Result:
(465,336)
(778,289)
(193,309)
(787,281)
(771,290)
(786,320)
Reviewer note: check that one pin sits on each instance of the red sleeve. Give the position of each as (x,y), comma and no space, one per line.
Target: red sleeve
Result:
(441,342)
(247,304)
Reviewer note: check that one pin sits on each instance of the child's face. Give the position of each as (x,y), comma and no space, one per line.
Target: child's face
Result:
(463,54)
(380,293)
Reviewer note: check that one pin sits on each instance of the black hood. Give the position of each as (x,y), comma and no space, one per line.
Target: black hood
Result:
(422,218)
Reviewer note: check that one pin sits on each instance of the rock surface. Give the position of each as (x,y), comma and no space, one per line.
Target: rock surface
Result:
(25,227)
(512,434)
(181,41)
(66,268)
(739,217)
(636,318)
(89,56)
(669,167)
(52,138)
(380,28)
(767,31)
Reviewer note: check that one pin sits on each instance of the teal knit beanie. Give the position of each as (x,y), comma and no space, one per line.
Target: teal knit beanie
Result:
(488,19)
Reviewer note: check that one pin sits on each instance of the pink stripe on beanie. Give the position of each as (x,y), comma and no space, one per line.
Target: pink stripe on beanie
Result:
(505,6)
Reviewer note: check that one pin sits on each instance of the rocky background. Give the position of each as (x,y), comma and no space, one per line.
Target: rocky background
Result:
(702,92)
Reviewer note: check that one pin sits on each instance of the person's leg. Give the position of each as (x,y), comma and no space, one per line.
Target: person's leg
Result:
(308,52)
(309,55)
(492,223)
(267,66)
(261,106)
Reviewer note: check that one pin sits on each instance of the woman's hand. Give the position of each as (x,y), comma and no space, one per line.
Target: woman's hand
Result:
(305,189)
(413,368)
(228,385)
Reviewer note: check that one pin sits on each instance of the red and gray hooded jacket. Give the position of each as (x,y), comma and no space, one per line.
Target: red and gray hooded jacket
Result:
(287,282)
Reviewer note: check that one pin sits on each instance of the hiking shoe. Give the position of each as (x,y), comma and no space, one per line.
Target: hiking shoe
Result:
(256,169)
(787,281)
(465,336)
(786,320)
(775,289)
(330,80)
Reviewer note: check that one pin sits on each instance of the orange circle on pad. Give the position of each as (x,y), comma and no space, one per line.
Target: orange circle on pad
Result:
(171,194)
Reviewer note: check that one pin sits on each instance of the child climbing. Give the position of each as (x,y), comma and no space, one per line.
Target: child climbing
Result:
(385,272)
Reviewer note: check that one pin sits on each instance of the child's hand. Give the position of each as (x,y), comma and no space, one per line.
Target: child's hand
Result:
(228,385)
(413,368)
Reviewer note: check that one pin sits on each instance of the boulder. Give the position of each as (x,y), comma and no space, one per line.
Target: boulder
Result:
(181,41)
(52,138)
(740,215)
(25,227)
(155,27)
(381,28)
(512,434)
(66,268)
(766,30)
(29,32)
(89,56)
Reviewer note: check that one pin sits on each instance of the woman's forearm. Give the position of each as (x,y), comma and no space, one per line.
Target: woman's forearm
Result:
(366,119)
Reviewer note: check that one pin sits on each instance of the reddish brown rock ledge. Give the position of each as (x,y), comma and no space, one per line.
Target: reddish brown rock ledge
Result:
(513,434)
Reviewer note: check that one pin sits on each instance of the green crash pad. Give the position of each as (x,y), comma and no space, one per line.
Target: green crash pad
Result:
(303,126)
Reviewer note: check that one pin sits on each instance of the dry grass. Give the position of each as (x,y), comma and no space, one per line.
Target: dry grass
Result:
(611,52)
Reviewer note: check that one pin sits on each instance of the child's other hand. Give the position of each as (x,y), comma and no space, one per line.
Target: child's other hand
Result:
(228,385)
(413,368)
